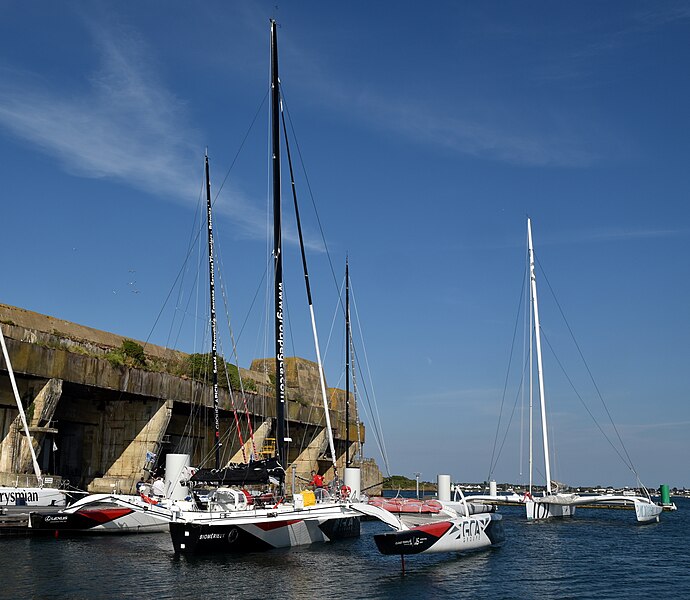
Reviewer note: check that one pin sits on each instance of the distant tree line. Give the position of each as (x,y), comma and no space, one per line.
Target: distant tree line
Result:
(400,482)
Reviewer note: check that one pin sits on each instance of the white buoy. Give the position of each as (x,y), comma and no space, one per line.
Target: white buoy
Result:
(353,480)
(492,488)
(443,484)
(176,470)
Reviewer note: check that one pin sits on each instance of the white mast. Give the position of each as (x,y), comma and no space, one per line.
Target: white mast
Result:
(324,396)
(531,392)
(37,469)
(537,335)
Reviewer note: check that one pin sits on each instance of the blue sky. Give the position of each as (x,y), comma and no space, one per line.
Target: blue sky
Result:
(428,136)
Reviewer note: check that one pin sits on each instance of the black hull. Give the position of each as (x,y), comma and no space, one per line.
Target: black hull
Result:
(341,529)
(495,532)
(412,541)
(192,538)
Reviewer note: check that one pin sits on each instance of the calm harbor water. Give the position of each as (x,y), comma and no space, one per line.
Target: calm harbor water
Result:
(598,554)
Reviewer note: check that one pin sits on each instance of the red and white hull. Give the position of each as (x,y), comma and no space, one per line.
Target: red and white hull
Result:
(100,514)
(464,534)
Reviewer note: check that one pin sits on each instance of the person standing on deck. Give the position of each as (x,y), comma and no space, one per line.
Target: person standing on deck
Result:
(316,480)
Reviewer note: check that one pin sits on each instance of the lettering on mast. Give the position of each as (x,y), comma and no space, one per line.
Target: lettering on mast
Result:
(281,345)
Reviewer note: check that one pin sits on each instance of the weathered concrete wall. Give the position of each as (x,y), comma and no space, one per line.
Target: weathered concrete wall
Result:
(108,416)
(372,478)
(44,329)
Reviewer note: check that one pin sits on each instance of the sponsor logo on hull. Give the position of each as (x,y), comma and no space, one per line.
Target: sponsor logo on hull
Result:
(19,496)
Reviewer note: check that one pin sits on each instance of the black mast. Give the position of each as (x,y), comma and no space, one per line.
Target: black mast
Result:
(214,355)
(347,363)
(281,445)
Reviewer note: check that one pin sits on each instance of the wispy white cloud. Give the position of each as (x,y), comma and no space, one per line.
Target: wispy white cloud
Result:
(483,399)
(564,238)
(485,140)
(606,39)
(609,235)
(124,125)
(631,234)
(657,14)
(635,429)
(249,219)
(513,137)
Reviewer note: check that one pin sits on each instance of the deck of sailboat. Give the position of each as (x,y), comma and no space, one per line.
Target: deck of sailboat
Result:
(581,501)
(277,514)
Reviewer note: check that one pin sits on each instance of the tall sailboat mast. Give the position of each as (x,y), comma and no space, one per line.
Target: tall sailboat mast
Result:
(212,295)
(531,396)
(347,362)
(540,372)
(281,444)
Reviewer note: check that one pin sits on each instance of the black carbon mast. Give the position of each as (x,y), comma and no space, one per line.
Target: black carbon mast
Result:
(281,443)
(212,295)
(347,363)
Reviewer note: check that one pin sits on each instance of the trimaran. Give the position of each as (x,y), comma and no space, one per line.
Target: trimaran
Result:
(554,503)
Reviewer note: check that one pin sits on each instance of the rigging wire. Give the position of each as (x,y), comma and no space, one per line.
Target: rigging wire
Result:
(239,150)
(322,381)
(492,464)
(355,397)
(232,403)
(373,404)
(375,421)
(179,279)
(623,455)
(234,355)
(589,412)
(591,376)
(309,188)
(510,420)
(180,273)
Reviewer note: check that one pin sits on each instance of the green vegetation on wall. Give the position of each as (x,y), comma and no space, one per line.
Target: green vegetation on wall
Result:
(130,354)
(199,367)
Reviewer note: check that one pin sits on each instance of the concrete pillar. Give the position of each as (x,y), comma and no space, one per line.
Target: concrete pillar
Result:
(260,434)
(308,459)
(129,433)
(340,461)
(372,478)
(16,455)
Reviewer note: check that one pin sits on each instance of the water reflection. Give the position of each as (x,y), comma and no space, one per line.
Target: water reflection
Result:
(590,556)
